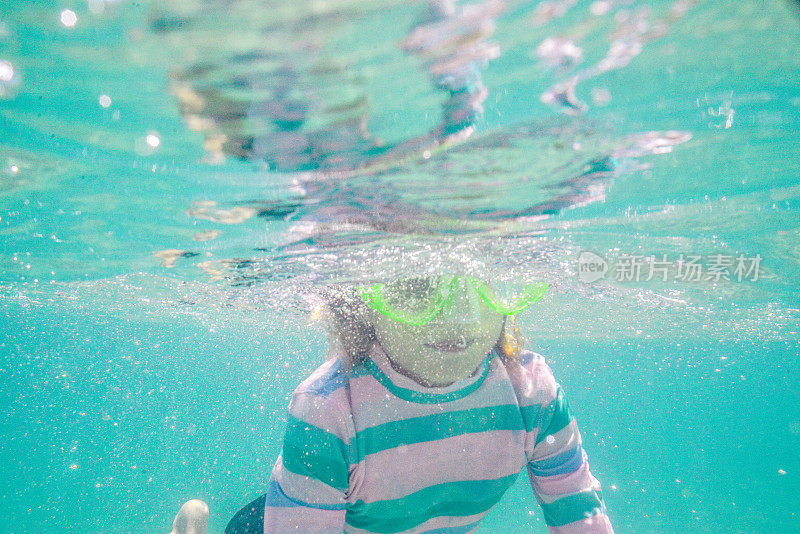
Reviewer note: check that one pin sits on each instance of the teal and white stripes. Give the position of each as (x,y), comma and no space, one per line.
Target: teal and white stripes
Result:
(314,452)
(371,451)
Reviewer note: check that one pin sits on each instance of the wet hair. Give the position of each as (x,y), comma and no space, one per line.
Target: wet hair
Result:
(349,315)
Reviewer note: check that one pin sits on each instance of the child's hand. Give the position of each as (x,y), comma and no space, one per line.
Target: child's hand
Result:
(192,518)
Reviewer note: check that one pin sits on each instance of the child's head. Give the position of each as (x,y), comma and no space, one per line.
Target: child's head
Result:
(438,326)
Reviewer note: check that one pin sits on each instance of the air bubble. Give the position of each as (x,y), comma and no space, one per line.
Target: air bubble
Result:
(68,18)
(9,79)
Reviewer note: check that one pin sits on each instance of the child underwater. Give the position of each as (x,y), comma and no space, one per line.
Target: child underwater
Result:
(423,420)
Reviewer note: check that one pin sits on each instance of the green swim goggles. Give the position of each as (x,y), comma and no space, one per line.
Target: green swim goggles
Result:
(416,301)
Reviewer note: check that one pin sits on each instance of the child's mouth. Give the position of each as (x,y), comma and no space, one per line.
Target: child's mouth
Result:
(451,345)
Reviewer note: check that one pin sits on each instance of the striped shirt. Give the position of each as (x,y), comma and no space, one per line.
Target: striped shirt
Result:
(370,450)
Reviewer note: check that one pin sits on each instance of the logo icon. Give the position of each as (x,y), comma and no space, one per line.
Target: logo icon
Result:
(591,267)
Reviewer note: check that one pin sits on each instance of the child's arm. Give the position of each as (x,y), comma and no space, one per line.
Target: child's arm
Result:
(569,495)
(309,482)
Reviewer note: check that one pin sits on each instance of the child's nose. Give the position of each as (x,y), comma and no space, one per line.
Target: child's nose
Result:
(465,308)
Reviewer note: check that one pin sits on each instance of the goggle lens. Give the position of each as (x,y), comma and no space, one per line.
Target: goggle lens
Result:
(416,301)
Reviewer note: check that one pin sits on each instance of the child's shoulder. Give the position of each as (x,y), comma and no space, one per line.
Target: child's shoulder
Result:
(325,380)
(530,375)
(322,402)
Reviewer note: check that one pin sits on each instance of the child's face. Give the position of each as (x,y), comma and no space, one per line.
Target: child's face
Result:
(448,348)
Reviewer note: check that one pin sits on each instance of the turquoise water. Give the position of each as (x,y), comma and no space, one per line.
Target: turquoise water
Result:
(155,315)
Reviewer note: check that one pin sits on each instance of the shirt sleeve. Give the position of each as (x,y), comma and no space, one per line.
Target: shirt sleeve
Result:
(558,467)
(309,484)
